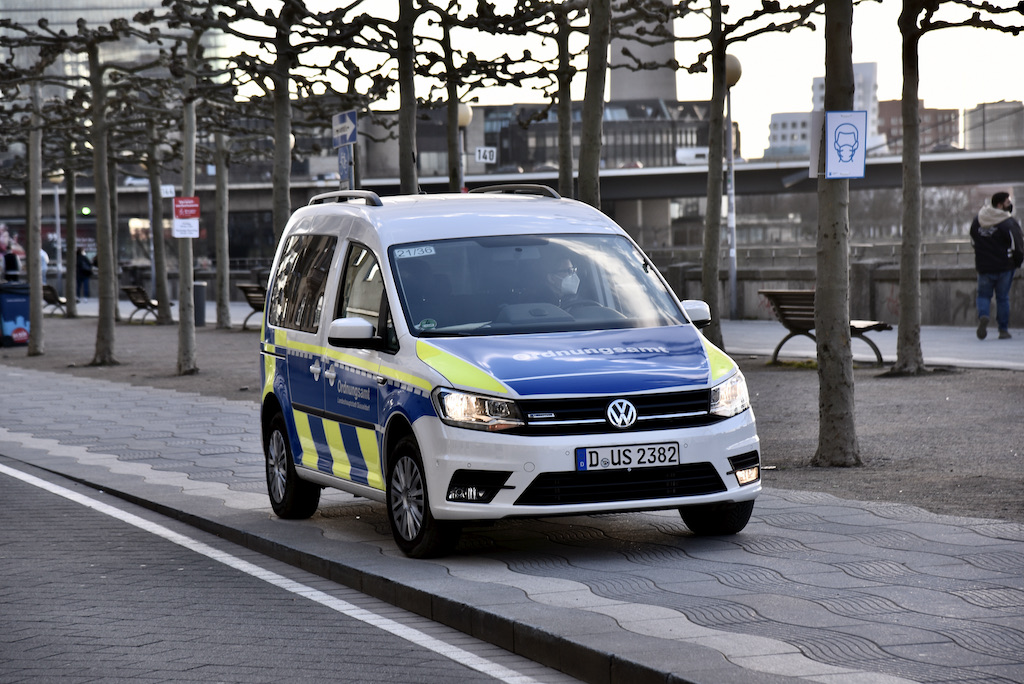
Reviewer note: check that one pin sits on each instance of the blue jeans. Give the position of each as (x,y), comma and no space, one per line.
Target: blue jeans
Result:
(998,283)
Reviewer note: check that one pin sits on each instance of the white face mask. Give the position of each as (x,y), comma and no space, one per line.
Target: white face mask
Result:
(570,284)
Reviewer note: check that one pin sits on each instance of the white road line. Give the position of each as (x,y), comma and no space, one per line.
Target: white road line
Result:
(410,634)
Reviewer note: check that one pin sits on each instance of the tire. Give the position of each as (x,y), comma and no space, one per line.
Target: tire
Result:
(414,528)
(291,497)
(713,520)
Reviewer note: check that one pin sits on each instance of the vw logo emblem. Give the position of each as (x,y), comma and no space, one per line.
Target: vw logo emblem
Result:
(621,413)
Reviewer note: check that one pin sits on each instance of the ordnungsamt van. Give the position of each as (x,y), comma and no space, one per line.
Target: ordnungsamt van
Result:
(502,353)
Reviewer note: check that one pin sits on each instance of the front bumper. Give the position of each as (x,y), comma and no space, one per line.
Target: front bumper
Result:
(542,478)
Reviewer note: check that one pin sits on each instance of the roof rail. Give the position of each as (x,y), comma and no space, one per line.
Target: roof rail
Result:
(519,189)
(372,198)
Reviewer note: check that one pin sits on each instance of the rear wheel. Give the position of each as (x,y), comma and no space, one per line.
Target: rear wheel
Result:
(416,531)
(290,496)
(711,520)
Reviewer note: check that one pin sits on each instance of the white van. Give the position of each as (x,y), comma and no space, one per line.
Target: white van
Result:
(502,353)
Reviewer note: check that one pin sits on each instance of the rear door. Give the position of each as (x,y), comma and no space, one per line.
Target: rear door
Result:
(296,309)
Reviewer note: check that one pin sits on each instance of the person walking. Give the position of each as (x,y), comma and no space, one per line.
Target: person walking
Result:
(998,253)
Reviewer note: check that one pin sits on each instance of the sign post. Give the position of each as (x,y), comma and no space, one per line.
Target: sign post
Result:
(344,130)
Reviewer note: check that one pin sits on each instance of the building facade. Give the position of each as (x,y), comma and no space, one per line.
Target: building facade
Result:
(995,126)
(939,128)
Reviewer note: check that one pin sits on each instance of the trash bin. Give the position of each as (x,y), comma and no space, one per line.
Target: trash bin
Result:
(14,313)
(199,299)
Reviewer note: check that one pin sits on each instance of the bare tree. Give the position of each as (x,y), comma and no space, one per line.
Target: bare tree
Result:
(837,434)
(917,19)
(723,31)
(593,102)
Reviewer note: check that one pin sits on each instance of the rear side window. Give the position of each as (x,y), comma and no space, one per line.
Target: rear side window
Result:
(297,298)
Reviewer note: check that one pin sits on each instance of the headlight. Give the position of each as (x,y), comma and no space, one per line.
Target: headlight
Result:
(730,397)
(476,412)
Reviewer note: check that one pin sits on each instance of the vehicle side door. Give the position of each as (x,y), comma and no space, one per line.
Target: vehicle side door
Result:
(352,389)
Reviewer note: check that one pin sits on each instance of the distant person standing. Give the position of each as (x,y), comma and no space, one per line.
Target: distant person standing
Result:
(998,252)
(12,264)
(83,271)
(44,263)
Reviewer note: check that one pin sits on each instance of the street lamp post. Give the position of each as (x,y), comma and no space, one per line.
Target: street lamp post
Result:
(465,117)
(733,71)
(56,178)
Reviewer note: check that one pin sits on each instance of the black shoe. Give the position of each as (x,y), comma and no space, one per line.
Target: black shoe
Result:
(1004,334)
(982,327)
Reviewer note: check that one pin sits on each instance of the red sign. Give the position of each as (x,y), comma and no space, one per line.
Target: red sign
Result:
(186,207)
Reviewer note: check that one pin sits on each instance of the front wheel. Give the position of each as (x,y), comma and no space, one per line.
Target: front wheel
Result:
(291,497)
(414,528)
(712,520)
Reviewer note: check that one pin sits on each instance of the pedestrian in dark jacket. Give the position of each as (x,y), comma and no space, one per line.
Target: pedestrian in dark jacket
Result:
(998,252)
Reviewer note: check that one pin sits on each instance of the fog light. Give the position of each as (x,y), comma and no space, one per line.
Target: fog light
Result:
(747,475)
(467,494)
(476,486)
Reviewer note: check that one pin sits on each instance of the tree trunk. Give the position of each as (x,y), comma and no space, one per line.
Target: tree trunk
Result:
(909,356)
(564,73)
(593,102)
(837,434)
(711,253)
(221,154)
(71,237)
(282,165)
(114,241)
(34,199)
(104,353)
(160,289)
(408,174)
(455,180)
(186,304)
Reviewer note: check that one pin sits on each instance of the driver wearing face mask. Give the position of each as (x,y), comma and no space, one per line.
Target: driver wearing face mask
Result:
(562,281)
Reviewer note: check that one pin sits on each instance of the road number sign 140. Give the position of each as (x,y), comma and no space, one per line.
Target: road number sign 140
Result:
(487,155)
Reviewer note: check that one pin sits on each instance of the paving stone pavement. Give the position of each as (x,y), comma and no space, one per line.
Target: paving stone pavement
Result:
(816,589)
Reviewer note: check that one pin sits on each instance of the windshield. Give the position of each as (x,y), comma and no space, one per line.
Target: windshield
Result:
(529,284)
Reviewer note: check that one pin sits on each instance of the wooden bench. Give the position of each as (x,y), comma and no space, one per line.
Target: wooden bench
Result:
(795,310)
(142,301)
(256,295)
(53,301)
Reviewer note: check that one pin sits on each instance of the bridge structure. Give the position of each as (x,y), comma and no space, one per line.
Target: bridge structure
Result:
(638,198)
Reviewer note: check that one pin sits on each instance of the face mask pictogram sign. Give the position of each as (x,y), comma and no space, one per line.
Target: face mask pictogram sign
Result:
(845,144)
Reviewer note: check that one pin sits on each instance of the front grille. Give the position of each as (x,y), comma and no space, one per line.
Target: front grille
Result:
(553,489)
(586,415)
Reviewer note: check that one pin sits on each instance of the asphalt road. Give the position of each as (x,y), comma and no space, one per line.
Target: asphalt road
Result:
(88,595)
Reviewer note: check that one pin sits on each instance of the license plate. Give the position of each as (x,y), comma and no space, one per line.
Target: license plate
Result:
(630,456)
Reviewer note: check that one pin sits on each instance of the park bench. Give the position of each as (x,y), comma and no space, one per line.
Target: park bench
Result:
(256,295)
(142,301)
(795,310)
(52,301)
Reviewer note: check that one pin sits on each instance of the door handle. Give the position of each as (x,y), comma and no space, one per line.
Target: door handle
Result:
(330,374)
(315,370)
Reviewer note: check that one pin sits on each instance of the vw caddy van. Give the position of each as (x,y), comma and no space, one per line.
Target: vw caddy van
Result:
(502,353)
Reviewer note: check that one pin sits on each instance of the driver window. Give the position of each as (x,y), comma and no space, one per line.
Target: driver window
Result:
(362,287)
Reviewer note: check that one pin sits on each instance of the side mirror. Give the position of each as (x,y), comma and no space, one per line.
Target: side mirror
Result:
(353,332)
(698,312)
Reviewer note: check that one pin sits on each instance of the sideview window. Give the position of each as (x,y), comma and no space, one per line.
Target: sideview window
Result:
(362,286)
(297,299)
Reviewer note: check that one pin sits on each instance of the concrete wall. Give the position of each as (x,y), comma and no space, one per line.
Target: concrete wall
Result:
(948,294)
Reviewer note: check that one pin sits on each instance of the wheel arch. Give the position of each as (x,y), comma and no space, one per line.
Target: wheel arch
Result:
(398,427)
